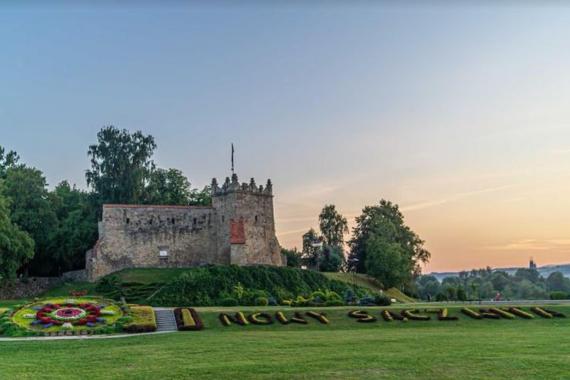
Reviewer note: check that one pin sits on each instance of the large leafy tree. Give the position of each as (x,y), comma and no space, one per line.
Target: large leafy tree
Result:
(76,230)
(333,226)
(31,211)
(311,248)
(382,227)
(121,165)
(7,160)
(16,246)
(169,187)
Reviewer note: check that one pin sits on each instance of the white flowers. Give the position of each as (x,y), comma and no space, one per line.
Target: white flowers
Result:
(67,326)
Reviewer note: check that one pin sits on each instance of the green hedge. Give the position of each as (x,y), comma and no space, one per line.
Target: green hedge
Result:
(214,285)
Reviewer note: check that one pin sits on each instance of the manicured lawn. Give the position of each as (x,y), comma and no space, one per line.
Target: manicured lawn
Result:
(466,349)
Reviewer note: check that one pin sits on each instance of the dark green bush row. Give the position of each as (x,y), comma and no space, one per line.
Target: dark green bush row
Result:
(255,285)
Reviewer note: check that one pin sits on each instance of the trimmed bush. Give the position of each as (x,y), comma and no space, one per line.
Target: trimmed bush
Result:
(471,313)
(502,313)
(555,313)
(362,316)
(187,319)
(443,315)
(143,320)
(239,318)
(387,316)
(412,316)
(321,317)
(261,301)
(520,313)
(541,312)
(260,319)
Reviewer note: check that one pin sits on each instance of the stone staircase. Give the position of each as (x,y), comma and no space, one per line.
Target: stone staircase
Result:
(165,320)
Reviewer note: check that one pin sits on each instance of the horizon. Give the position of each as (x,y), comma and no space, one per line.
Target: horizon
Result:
(458,115)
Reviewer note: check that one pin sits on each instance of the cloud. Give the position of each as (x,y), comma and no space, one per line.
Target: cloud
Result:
(453,198)
(532,245)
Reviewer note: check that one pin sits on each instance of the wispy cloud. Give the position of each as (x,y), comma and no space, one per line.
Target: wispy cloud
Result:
(532,245)
(453,198)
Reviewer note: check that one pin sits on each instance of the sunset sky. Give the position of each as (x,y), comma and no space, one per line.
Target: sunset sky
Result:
(461,115)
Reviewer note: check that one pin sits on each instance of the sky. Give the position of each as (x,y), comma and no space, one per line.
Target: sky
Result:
(458,114)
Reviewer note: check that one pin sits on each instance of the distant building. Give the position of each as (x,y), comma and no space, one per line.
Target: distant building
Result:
(238,228)
(532,265)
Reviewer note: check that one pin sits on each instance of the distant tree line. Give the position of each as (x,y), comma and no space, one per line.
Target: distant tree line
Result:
(46,232)
(485,284)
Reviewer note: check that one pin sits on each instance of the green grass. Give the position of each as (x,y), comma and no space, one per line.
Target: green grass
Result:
(345,349)
(369,283)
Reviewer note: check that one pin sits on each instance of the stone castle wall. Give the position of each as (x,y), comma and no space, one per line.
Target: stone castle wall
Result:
(141,236)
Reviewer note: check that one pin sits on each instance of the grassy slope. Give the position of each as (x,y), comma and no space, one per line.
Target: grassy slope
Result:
(369,283)
(466,349)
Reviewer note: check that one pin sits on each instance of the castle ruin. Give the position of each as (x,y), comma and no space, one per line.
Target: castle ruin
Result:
(238,228)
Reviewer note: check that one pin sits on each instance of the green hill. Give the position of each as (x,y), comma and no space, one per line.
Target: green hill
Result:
(371,284)
(217,285)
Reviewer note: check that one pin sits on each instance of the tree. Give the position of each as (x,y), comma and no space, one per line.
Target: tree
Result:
(31,211)
(311,248)
(333,226)
(384,223)
(331,259)
(76,229)
(201,197)
(293,257)
(7,161)
(387,262)
(531,275)
(167,187)
(16,246)
(557,282)
(121,165)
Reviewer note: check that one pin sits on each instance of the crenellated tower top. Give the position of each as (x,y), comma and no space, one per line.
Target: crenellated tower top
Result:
(233,186)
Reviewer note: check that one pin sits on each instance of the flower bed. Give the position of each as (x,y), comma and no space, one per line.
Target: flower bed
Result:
(142,320)
(59,316)
(187,319)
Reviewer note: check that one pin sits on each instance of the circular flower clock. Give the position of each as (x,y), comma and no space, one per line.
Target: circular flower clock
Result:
(74,314)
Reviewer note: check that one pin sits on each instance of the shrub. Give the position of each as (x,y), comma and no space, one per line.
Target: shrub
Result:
(334,303)
(321,317)
(443,315)
(367,300)
(411,315)
(143,320)
(201,285)
(559,295)
(541,312)
(361,316)
(520,313)
(382,300)
(261,301)
(229,302)
(260,319)
(470,313)
(187,319)
(502,313)
(555,313)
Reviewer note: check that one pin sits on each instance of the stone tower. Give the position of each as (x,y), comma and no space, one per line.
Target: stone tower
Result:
(246,225)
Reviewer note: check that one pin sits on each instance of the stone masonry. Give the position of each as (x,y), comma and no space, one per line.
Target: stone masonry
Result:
(238,228)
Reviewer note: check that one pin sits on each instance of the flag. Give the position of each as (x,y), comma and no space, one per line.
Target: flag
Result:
(232,157)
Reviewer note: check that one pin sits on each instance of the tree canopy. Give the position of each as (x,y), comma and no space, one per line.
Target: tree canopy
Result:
(380,231)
